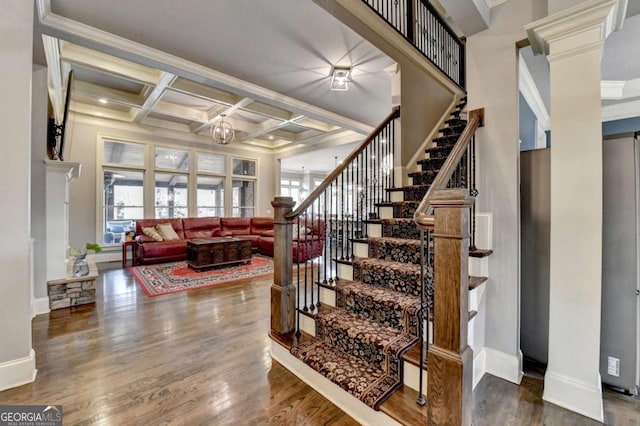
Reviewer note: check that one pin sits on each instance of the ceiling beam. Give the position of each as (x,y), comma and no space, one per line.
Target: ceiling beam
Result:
(154,96)
(111,95)
(227,112)
(179,111)
(97,111)
(204,92)
(121,68)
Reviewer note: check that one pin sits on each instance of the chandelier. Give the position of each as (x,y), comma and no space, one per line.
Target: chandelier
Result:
(222,132)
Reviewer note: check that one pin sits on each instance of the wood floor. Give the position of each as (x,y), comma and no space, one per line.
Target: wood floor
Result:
(202,357)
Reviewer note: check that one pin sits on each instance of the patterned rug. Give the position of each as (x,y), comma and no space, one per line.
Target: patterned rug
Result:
(166,278)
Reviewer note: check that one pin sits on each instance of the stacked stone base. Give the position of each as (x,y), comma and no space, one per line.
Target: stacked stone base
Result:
(73,291)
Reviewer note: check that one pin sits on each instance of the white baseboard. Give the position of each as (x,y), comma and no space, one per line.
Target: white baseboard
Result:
(503,365)
(107,256)
(580,397)
(18,372)
(355,408)
(39,306)
(479,366)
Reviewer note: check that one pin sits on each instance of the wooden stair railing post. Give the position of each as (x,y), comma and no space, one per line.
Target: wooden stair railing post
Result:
(283,292)
(449,382)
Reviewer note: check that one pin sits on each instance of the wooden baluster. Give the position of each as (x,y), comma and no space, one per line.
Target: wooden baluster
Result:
(449,382)
(283,292)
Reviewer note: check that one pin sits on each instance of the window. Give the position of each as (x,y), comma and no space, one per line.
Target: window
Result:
(122,189)
(210,196)
(171,195)
(243,198)
(168,179)
(211,163)
(167,158)
(123,196)
(244,167)
(290,188)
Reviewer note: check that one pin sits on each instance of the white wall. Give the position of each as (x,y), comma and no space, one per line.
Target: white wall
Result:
(17,360)
(492,84)
(81,147)
(38,179)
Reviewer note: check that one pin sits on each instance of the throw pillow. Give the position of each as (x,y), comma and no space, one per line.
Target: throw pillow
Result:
(167,232)
(151,232)
(298,228)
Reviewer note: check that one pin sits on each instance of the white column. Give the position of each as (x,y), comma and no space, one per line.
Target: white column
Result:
(59,173)
(17,358)
(572,40)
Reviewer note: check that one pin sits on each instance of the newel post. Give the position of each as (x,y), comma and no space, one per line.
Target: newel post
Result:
(283,292)
(449,386)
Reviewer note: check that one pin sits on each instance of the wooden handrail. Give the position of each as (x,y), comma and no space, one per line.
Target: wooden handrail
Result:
(395,113)
(423,217)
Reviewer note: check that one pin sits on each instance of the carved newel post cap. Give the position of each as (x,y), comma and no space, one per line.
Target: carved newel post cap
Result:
(283,202)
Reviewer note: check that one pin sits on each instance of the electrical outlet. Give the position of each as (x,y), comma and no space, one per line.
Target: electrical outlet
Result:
(613,366)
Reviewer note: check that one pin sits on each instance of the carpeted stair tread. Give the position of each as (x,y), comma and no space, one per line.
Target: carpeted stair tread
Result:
(404,209)
(386,306)
(340,326)
(398,276)
(415,192)
(395,249)
(361,379)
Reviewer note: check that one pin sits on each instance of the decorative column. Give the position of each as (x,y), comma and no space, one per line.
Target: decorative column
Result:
(572,39)
(59,174)
(450,378)
(283,292)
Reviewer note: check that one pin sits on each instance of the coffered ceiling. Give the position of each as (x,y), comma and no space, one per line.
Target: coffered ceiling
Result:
(181,65)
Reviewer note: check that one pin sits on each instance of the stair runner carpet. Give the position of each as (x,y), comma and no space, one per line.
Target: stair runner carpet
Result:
(359,345)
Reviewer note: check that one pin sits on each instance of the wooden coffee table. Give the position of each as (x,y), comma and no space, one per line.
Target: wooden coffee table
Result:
(209,252)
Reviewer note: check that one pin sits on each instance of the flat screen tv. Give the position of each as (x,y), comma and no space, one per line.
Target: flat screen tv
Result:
(56,131)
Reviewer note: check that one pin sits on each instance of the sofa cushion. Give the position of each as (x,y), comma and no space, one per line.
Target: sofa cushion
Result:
(260,225)
(151,232)
(167,232)
(237,225)
(222,233)
(164,248)
(200,227)
(270,233)
(151,223)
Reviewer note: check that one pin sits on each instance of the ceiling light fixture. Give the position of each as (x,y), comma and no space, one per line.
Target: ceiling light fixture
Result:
(222,132)
(340,78)
(103,100)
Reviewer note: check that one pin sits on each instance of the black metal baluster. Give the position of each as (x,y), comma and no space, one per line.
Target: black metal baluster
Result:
(393,152)
(342,236)
(327,240)
(353,208)
(473,192)
(420,399)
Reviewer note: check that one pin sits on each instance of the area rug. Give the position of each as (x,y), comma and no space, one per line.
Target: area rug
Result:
(166,278)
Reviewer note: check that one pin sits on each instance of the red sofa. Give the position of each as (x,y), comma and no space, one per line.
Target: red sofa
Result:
(258,229)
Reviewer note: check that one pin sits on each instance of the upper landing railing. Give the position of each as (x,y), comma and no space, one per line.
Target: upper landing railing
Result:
(421,25)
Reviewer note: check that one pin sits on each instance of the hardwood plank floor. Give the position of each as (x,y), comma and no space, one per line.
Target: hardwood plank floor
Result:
(202,357)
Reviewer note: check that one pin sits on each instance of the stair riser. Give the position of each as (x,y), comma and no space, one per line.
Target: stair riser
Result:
(345,272)
(385,212)
(360,249)
(374,229)
(397,196)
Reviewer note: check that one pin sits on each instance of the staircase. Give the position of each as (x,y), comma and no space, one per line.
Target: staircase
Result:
(366,324)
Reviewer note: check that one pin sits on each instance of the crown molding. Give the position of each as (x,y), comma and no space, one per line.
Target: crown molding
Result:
(580,19)
(531,93)
(612,90)
(621,111)
(191,70)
